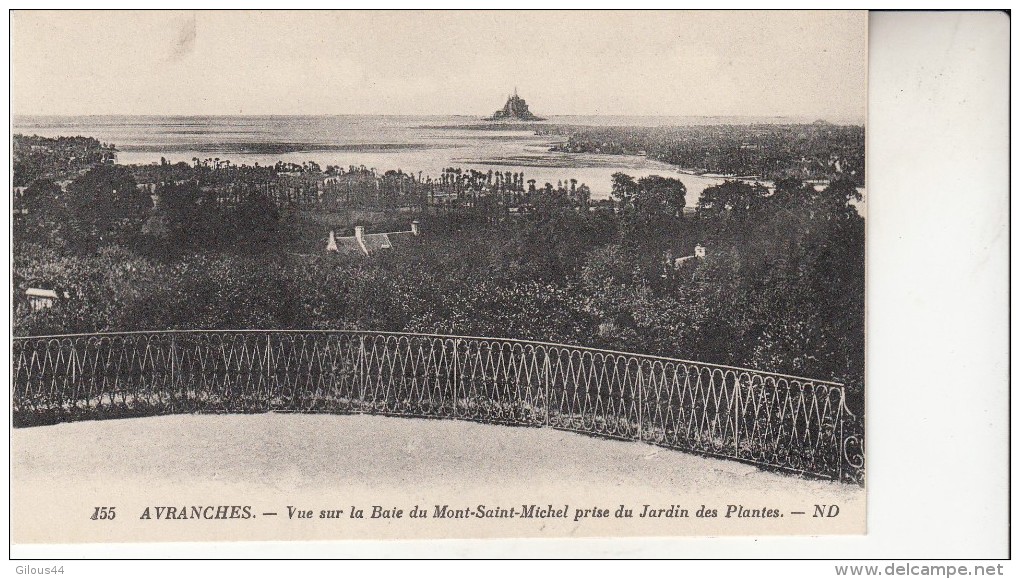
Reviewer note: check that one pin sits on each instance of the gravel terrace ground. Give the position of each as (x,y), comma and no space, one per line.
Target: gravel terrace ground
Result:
(326,461)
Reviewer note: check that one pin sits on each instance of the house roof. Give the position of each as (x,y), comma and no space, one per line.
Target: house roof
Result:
(373,242)
(348,245)
(401,238)
(41,293)
(376,241)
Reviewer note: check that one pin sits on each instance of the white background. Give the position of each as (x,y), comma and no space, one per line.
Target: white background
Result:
(938,332)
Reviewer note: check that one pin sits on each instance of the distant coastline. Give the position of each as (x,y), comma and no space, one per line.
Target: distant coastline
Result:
(472,121)
(546,150)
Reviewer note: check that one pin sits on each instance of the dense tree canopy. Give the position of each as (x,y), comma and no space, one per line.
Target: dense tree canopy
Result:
(105,206)
(781,286)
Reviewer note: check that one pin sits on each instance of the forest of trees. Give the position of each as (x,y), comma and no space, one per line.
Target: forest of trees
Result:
(781,287)
(819,151)
(40,157)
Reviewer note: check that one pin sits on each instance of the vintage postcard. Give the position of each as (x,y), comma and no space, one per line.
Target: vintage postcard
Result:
(437,274)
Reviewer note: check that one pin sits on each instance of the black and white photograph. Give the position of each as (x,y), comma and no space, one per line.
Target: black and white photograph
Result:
(322,275)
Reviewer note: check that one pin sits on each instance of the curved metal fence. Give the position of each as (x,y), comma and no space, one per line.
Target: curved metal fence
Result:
(771,420)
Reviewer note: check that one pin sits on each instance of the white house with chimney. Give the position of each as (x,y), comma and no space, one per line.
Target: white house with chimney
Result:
(369,243)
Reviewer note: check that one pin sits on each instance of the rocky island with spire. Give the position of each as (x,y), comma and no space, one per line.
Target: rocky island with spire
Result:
(515,109)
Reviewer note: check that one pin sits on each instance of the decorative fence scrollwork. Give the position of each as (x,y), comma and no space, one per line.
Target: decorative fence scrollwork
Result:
(771,420)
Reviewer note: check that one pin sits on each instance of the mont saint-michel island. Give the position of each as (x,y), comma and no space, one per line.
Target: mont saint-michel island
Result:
(515,109)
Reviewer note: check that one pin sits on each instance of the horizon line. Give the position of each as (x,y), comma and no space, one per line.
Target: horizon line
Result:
(479,117)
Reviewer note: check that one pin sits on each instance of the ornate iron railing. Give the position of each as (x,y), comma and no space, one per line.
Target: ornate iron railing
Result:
(771,420)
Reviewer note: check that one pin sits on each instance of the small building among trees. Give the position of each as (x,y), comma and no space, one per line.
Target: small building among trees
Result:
(40,299)
(369,243)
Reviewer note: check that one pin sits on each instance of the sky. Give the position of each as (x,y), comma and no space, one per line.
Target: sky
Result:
(775,63)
